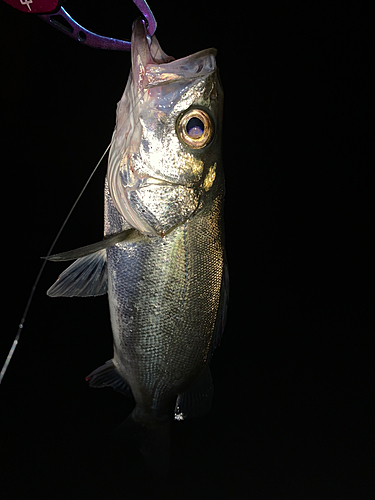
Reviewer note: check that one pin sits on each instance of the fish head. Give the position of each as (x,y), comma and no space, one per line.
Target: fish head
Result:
(166,145)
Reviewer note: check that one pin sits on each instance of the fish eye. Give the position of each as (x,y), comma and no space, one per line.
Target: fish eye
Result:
(195,128)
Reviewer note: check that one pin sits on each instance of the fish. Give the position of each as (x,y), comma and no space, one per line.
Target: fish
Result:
(162,261)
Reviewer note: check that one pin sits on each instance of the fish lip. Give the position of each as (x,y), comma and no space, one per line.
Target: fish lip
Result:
(150,62)
(145,49)
(142,44)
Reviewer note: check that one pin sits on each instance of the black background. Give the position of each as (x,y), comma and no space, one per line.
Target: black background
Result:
(293,415)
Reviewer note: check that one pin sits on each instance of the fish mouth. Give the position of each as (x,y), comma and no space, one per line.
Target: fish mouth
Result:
(145,49)
(153,67)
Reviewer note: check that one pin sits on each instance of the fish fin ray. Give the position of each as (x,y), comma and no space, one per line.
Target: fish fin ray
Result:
(107,375)
(126,235)
(86,277)
(196,400)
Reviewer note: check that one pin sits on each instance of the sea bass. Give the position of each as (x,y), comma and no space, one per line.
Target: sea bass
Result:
(162,260)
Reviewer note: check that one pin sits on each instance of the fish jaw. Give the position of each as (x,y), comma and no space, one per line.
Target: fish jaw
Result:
(155,180)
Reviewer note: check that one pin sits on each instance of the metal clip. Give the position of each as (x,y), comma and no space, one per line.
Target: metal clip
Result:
(51,12)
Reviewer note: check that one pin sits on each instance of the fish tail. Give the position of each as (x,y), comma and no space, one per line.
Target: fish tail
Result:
(155,448)
(152,437)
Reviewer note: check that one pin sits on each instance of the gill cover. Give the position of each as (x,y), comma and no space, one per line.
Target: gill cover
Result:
(165,125)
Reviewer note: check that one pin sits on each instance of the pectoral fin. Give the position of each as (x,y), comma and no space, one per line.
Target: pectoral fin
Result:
(196,400)
(127,235)
(86,277)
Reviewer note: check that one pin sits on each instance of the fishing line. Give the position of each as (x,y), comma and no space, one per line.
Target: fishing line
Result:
(23,318)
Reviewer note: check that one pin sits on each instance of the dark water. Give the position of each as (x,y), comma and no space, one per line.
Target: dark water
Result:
(293,410)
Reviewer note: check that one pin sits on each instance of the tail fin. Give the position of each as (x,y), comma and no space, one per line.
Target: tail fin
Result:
(152,438)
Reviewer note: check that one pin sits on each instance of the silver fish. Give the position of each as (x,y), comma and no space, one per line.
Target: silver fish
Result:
(162,260)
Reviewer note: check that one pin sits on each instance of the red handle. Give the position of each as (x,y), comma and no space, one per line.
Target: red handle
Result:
(35,6)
